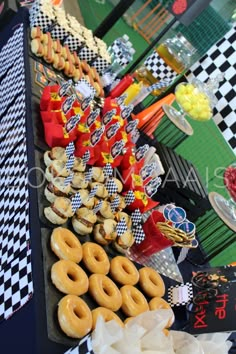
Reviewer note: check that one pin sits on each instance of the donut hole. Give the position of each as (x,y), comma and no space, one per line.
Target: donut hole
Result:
(126,269)
(153,279)
(71,276)
(107,291)
(69,243)
(135,299)
(98,257)
(78,313)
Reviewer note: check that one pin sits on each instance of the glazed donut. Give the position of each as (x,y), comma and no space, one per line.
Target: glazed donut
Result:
(123,271)
(105,292)
(128,319)
(74,316)
(66,245)
(157,303)
(69,277)
(133,301)
(107,315)
(95,258)
(151,282)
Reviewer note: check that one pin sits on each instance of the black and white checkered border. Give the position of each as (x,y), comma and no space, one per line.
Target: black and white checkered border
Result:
(86,53)
(159,69)
(12,49)
(16,285)
(15,167)
(100,64)
(15,78)
(42,20)
(84,346)
(59,32)
(74,43)
(221,58)
(14,228)
(14,117)
(12,139)
(170,294)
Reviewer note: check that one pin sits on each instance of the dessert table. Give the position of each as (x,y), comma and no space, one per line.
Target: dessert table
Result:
(25,329)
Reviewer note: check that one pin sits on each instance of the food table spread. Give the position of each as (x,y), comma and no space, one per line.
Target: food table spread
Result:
(30,322)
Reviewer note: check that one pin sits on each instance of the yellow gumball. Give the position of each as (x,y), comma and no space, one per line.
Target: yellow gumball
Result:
(187,106)
(189,88)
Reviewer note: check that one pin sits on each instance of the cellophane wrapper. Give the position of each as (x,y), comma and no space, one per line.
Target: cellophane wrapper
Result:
(144,335)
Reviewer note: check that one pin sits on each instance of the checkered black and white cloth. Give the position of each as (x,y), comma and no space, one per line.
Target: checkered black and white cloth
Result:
(159,69)
(16,285)
(14,117)
(84,346)
(221,58)
(14,211)
(11,51)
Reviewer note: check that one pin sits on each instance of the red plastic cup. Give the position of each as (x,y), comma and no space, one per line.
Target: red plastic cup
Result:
(154,240)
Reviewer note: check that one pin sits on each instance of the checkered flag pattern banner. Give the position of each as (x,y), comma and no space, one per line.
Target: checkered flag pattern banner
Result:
(97,207)
(38,17)
(11,140)
(14,117)
(76,202)
(14,228)
(11,50)
(121,227)
(7,62)
(101,64)
(186,291)
(15,262)
(88,175)
(221,58)
(93,192)
(86,157)
(59,32)
(129,198)
(10,89)
(115,203)
(68,179)
(70,163)
(70,149)
(108,170)
(16,285)
(136,217)
(138,233)
(111,186)
(84,346)
(159,69)
(74,43)
(86,53)
(15,167)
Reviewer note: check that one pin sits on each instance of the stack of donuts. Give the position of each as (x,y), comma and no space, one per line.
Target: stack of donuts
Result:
(62,59)
(101,225)
(84,272)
